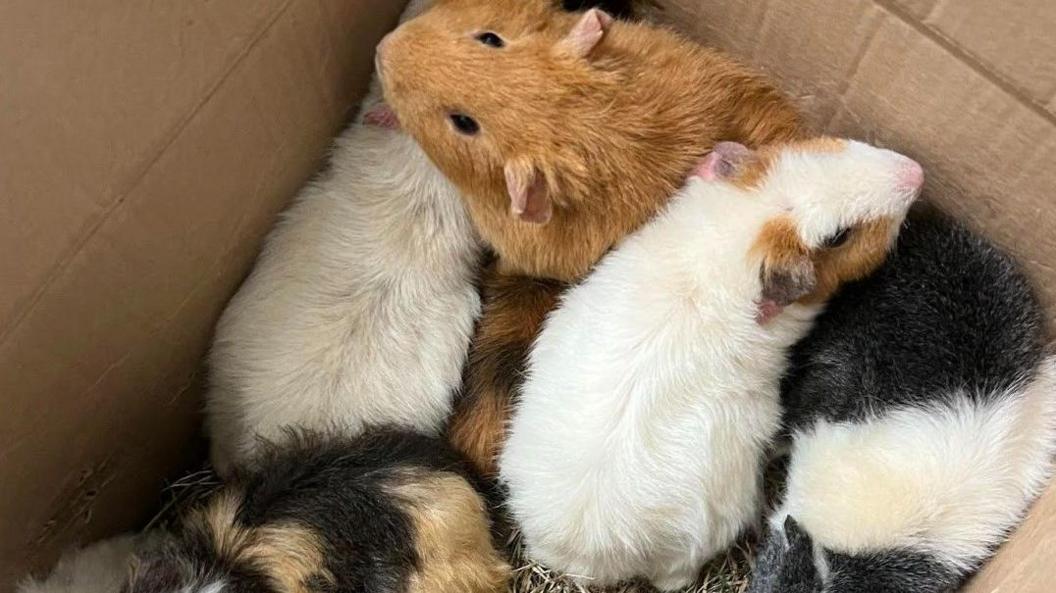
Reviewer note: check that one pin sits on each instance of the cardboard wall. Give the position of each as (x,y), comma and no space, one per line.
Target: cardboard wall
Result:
(146,148)
(968,88)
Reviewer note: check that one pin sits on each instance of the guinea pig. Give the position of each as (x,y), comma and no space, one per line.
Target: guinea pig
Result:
(652,393)
(361,305)
(387,511)
(623,9)
(922,415)
(564,133)
(102,567)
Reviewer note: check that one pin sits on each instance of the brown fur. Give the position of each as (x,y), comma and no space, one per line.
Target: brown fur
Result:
(613,136)
(291,556)
(753,169)
(863,253)
(452,534)
(514,310)
(787,272)
(793,272)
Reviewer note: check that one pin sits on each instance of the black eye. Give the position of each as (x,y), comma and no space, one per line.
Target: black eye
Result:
(492,39)
(465,124)
(839,238)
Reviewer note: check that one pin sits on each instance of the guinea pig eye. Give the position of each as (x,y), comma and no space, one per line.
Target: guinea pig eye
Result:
(491,39)
(465,124)
(837,239)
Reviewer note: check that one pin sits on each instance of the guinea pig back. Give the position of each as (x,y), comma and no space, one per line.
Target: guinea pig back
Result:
(564,131)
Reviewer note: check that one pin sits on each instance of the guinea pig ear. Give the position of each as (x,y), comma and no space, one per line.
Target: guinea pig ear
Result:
(586,33)
(787,274)
(799,573)
(382,116)
(796,536)
(529,194)
(724,161)
(155,571)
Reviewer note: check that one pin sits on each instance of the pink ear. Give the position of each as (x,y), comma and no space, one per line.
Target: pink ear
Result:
(766,310)
(529,197)
(383,116)
(586,34)
(722,162)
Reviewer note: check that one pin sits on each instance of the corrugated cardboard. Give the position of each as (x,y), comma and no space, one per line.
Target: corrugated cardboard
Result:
(146,149)
(964,86)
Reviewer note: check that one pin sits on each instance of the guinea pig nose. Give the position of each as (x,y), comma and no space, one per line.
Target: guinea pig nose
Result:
(910,175)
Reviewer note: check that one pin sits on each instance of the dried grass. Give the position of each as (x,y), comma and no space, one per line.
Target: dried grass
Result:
(727,573)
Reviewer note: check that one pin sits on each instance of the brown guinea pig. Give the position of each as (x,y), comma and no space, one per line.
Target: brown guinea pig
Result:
(564,133)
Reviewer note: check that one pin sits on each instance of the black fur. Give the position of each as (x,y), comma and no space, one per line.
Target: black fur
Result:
(948,315)
(893,571)
(947,311)
(625,9)
(786,564)
(335,487)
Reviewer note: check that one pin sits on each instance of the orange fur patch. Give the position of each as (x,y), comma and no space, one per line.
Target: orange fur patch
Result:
(821,144)
(290,555)
(787,270)
(750,173)
(452,535)
(783,253)
(866,249)
(514,310)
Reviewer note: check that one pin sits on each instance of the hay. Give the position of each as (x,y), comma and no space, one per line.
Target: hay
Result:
(181,495)
(728,573)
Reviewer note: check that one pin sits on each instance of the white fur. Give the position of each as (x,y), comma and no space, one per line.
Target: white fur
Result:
(948,480)
(652,392)
(102,567)
(360,308)
(216,587)
(830,191)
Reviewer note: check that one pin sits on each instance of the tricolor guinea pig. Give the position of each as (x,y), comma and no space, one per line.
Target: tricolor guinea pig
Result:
(564,133)
(652,391)
(387,511)
(922,413)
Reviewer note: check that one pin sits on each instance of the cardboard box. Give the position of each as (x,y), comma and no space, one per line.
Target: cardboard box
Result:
(145,149)
(968,88)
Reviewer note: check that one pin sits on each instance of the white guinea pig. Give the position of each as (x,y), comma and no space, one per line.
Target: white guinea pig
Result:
(653,391)
(102,567)
(361,306)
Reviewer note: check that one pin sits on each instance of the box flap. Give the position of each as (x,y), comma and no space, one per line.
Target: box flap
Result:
(148,165)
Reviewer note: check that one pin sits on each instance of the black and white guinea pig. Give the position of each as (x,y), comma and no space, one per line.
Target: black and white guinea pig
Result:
(922,416)
(386,512)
